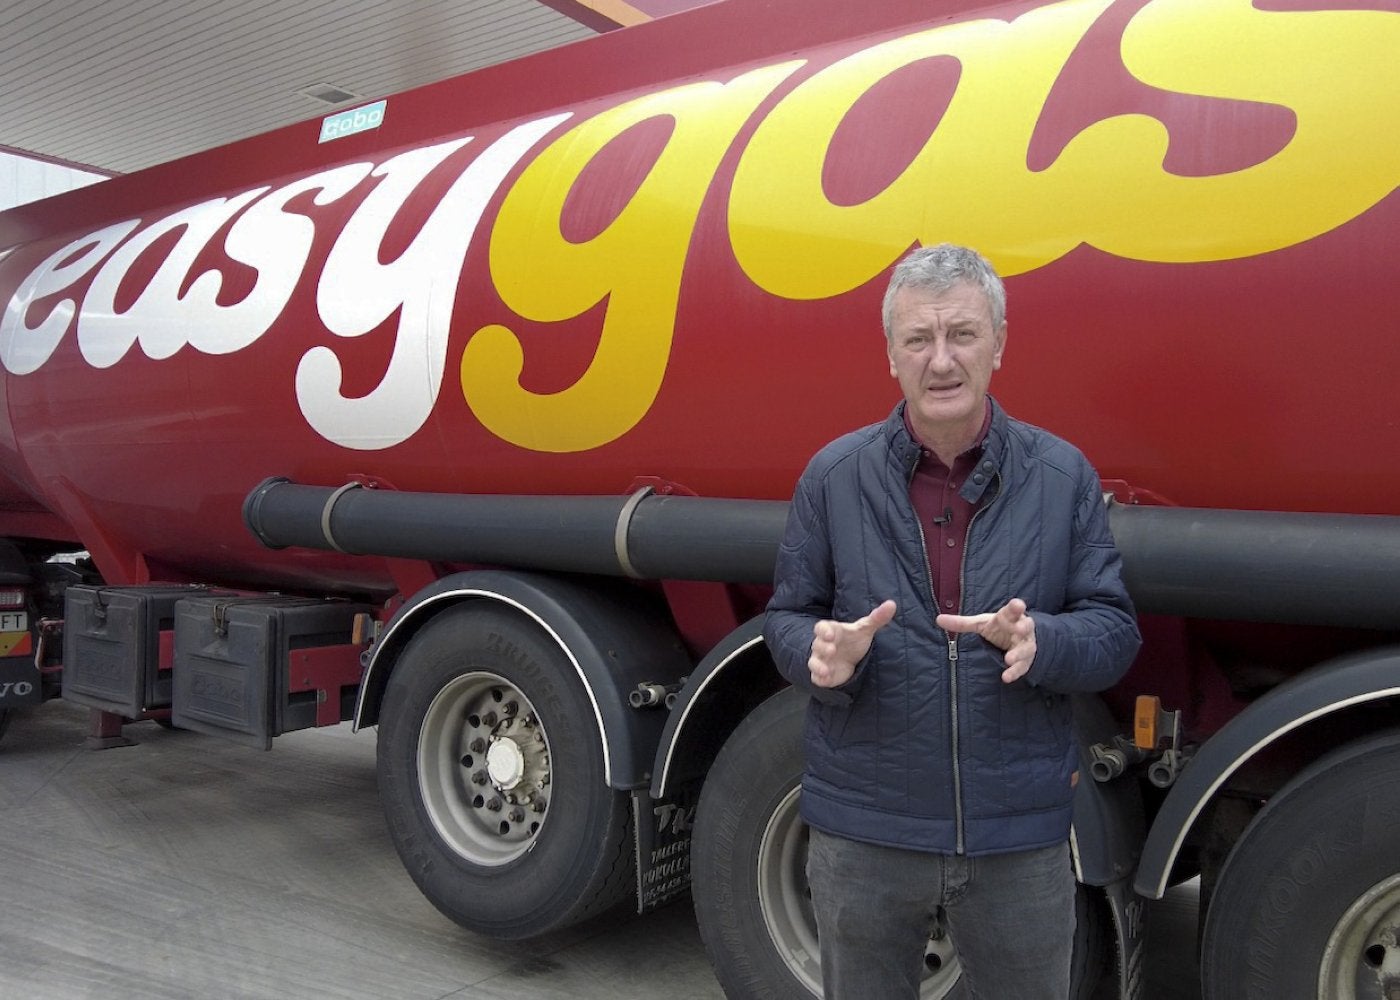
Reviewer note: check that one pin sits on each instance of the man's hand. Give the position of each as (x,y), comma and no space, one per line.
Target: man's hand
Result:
(1010,629)
(838,646)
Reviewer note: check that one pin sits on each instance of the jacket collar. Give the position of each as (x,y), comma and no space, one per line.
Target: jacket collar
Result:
(904,450)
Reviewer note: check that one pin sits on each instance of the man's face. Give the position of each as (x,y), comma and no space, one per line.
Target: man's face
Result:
(943,350)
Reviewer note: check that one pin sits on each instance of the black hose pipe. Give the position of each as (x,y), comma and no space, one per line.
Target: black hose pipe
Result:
(643,535)
(1264,566)
(1315,569)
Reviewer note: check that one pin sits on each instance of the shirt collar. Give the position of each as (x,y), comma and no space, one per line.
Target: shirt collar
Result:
(970,451)
(907,450)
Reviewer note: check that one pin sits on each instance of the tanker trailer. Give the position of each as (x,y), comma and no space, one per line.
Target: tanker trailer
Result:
(475,421)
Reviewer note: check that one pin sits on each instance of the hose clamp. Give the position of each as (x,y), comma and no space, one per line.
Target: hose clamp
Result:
(326,516)
(624,524)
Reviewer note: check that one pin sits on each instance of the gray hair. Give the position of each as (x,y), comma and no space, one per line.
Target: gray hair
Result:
(939,268)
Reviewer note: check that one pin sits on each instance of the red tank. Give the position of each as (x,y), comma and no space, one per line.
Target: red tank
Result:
(660,253)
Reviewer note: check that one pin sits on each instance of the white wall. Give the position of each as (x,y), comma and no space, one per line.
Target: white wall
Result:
(24,180)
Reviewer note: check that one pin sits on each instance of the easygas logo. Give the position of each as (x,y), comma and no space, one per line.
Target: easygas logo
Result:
(1333,74)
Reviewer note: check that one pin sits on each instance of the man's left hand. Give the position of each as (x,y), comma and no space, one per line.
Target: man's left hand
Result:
(1011,629)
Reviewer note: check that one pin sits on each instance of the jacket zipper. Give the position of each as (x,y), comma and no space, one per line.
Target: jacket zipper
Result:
(952,666)
(961,847)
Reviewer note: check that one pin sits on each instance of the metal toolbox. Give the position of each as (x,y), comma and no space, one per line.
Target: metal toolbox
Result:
(118,645)
(251,668)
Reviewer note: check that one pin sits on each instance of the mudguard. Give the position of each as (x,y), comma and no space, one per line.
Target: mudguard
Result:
(1104,840)
(1327,688)
(608,631)
(703,715)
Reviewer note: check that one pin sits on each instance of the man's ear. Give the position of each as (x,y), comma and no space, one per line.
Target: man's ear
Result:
(1001,347)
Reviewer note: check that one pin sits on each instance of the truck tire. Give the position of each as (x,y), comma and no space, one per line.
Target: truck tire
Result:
(1308,900)
(491,777)
(749,874)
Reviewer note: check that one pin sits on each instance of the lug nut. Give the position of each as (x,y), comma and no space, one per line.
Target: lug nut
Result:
(494,804)
(517,815)
(478,745)
(479,777)
(489,718)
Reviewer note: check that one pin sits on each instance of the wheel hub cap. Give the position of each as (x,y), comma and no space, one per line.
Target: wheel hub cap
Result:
(1362,958)
(484,770)
(505,763)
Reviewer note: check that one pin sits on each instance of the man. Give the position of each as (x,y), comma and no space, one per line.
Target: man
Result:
(946,579)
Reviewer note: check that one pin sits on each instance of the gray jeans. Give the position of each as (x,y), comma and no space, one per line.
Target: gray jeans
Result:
(1010,918)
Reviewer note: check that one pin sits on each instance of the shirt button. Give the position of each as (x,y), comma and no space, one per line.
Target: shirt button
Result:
(948,604)
(951,543)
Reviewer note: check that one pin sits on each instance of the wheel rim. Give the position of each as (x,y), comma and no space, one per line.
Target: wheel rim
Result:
(484,768)
(786,904)
(1362,957)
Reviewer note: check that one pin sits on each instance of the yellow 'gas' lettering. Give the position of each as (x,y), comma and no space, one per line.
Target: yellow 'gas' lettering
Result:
(970,184)
(1336,70)
(635,263)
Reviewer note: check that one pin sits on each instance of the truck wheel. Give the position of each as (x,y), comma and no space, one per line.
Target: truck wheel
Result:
(491,776)
(1308,901)
(749,862)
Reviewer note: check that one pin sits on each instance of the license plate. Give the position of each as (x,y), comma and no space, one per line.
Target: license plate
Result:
(14,621)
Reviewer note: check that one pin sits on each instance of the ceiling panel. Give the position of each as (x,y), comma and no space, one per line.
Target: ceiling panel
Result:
(123,85)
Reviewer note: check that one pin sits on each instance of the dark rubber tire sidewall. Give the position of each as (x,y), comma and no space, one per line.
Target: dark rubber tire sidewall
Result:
(757,768)
(753,774)
(1324,840)
(581,863)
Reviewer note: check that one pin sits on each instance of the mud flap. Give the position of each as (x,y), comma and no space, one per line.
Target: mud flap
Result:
(663,844)
(1129,927)
(20,682)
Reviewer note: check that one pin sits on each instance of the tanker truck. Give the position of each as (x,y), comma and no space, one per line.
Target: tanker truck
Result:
(472,415)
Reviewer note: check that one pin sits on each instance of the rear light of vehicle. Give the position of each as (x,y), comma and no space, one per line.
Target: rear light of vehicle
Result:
(12,597)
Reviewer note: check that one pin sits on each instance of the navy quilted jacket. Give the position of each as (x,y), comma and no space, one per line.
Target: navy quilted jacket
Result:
(925,747)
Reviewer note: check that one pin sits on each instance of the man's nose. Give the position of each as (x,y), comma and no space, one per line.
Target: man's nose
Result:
(940,357)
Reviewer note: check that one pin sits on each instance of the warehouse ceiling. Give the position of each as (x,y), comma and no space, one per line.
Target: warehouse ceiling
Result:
(118,85)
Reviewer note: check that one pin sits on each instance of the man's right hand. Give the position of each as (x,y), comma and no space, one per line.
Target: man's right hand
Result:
(838,646)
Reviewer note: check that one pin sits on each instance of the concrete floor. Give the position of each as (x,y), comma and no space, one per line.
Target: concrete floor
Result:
(189,867)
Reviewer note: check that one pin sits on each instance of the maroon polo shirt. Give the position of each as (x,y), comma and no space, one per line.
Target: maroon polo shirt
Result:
(943,515)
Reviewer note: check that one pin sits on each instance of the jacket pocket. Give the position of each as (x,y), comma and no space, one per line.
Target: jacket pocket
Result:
(841,727)
(1038,720)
